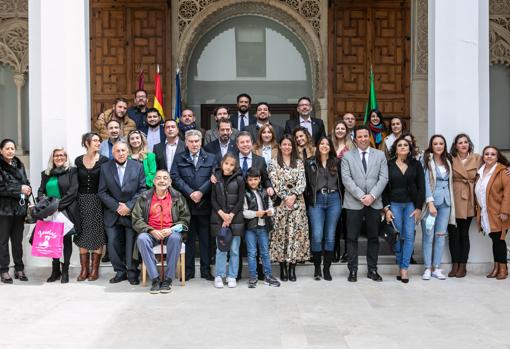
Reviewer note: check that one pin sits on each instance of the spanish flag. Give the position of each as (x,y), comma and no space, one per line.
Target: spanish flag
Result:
(158,94)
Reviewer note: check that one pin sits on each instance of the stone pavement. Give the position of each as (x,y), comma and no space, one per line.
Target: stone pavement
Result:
(473,312)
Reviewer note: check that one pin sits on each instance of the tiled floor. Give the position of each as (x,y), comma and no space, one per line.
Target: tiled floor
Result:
(473,312)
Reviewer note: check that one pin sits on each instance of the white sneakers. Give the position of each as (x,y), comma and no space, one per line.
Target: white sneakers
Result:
(231,282)
(218,282)
(437,273)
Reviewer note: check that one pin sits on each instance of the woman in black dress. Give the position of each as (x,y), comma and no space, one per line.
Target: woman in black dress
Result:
(91,236)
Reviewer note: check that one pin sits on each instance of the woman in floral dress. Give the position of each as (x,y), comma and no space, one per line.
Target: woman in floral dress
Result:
(290,242)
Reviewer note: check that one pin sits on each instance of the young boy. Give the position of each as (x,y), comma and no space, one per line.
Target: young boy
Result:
(257,210)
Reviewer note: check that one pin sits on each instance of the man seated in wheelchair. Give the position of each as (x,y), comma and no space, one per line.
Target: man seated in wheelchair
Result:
(160,216)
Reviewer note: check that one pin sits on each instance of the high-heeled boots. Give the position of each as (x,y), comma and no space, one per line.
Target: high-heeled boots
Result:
(94,273)
(55,271)
(292,272)
(494,271)
(65,273)
(85,266)
(328,256)
(317,274)
(283,271)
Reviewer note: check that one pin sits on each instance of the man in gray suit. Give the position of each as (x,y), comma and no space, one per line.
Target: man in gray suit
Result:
(120,183)
(364,175)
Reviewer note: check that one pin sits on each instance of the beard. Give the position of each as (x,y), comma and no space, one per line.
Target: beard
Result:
(243,109)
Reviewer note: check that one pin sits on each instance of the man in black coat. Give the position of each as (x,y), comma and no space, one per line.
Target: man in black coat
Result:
(242,118)
(191,175)
(263,115)
(313,125)
(169,148)
(224,144)
(120,183)
(153,128)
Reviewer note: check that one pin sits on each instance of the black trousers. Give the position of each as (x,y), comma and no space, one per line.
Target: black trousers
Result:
(121,241)
(199,226)
(68,249)
(458,240)
(354,223)
(11,227)
(341,233)
(498,247)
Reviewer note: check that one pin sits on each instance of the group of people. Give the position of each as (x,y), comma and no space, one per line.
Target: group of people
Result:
(282,194)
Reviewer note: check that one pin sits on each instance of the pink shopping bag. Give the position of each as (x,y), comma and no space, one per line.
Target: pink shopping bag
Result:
(48,238)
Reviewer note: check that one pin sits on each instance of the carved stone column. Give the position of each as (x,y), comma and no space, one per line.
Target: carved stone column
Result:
(19,81)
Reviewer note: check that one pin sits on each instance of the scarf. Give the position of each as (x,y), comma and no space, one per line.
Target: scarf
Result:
(185,128)
(377,132)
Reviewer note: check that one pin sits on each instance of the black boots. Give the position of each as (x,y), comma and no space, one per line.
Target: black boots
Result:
(328,256)
(317,257)
(55,271)
(65,273)
(283,271)
(292,272)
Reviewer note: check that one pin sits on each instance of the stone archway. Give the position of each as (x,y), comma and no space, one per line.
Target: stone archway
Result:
(210,16)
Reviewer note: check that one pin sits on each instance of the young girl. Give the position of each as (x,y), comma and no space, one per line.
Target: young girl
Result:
(227,211)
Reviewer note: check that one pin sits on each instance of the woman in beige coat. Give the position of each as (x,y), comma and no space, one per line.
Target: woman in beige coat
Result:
(465,164)
(492,192)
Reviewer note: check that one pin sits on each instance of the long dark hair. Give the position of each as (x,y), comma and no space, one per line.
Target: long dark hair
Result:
(293,154)
(445,157)
(501,158)
(331,163)
(453,149)
(394,148)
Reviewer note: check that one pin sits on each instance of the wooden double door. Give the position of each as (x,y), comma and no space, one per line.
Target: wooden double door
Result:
(364,34)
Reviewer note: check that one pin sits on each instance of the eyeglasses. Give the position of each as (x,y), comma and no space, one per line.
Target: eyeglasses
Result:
(59,156)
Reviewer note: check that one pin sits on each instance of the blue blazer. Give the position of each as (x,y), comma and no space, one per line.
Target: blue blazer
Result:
(187,179)
(110,191)
(215,149)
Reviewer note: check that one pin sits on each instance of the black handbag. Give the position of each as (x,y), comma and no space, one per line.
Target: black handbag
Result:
(389,233)
(45,207)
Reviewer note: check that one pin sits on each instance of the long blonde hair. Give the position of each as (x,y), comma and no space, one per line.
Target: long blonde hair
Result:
(51,164)
(348,140)
(142,153)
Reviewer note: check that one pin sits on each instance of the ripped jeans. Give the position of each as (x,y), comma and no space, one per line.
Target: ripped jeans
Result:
(435,238)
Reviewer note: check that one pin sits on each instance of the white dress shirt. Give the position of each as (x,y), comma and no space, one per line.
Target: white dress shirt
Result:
(481,197)
(367,154)
(121,169)
(248,160)
(306,123)
(153,137)
(170,150)
(224,148)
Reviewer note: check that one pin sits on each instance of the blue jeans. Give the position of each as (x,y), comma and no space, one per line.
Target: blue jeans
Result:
(435,237)
(405,225)
(253,237)
(323,219)
(233,263)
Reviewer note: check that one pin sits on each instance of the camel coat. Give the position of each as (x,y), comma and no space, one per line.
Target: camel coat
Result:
(126,125)
(498,201)
(464,177)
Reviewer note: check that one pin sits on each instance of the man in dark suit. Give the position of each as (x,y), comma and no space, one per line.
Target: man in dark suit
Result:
(120,183)
(314,126)
(169,148)
(242,118)
(191,175)
(248,160)
(223,144)
(364,176)
(153,128)
(263,116)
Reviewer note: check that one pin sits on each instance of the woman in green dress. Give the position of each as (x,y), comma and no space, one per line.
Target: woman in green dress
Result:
(137,143)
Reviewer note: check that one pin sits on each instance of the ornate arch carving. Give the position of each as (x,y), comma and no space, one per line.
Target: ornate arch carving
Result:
(14,44)
(279,12)
(499,32)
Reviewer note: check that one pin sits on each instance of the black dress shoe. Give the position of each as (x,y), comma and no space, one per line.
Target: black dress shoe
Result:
(208,277)
(118,278)
(134,281)
(189,277)
(405,281)
(399,278)
(353,276)
(106,257)
(20,275)
(374,276)
(344,258)
(6,278)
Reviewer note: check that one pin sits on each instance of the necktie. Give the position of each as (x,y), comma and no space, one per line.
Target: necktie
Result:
(195,159)
(120,172)
(242,125)
(245,165)
(364,161)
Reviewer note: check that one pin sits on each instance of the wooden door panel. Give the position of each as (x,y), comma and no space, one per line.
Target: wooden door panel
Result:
(369,33)
(126,35)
